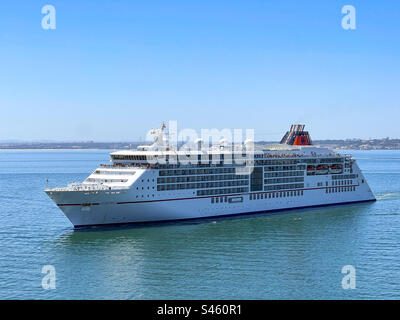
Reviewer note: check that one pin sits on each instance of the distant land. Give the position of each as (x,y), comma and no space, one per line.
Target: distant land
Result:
(348,144)
(361,144)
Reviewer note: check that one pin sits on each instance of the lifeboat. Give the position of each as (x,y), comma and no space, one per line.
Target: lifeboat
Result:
(322,169)
(310,170)
(336,168)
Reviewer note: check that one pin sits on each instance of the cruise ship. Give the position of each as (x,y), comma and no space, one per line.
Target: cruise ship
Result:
(157,182)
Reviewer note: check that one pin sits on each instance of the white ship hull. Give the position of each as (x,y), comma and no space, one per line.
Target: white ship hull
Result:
(183,210)
(107,207)
(290,175)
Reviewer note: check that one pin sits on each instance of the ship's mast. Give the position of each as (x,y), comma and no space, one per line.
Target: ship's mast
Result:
(160,139)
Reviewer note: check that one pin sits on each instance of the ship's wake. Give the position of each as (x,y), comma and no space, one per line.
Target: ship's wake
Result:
(388,196)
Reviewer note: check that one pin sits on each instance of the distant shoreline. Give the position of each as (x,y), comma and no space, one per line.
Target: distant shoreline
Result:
(348,144)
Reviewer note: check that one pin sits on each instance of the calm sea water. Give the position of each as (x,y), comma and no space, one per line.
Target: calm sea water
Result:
(287,256)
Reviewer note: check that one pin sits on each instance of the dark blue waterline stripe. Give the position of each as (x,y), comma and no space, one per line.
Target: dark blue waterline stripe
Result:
(219,216)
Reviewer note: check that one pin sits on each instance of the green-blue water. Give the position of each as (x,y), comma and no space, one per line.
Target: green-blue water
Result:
(288,256)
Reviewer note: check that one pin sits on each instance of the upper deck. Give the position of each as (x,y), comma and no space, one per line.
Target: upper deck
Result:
(222,156)
(245,159)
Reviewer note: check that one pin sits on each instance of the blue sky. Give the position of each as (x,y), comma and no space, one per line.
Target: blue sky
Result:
(113,69)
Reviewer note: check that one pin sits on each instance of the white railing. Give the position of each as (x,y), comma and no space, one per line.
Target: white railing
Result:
(78,186)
